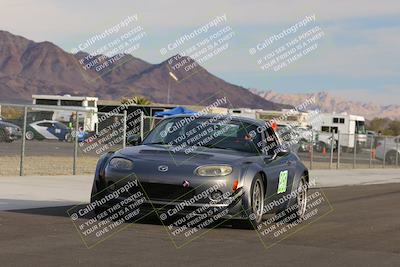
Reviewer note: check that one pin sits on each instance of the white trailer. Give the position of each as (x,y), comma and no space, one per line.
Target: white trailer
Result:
(85,106)
(294,118)
(350,127)
(244,112)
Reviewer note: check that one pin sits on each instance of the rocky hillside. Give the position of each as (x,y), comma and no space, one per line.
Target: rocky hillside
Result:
(28,67)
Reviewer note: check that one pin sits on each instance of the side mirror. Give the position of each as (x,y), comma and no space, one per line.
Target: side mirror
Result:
(133,140)
(280,151)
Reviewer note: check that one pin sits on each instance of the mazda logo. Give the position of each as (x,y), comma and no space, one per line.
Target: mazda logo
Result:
(163,168)
(186,184)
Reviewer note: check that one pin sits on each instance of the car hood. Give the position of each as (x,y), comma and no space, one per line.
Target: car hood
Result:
(166,154)
(8,124)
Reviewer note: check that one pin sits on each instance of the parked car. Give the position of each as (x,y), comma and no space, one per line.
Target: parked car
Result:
(9,132)
(389,151)
(288,135)
(322,142)
(47,129)
(305,138)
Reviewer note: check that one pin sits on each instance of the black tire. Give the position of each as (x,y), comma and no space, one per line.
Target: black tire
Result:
(344,149)
(299,208)
(257,206)
(391,157)
(29,135)
(319,147)
(3,136)
(68,137)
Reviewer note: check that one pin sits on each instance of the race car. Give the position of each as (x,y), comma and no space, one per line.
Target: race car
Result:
(242,160)
(9,132)
(48,129)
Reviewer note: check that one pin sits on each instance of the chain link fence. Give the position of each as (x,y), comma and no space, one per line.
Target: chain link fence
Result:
(47,140)
(43,140)
(348,151)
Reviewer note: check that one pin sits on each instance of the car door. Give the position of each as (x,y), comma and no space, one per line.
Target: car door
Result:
(42,129)
(57,131)
(280,170)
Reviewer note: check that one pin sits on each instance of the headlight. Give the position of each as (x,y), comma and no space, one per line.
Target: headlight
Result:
(214,170)
(9,129)
(120,163)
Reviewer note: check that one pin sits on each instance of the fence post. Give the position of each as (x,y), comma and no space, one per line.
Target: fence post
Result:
(331,150)
(371,151)
(397,152)
(338,151)
(355,151)
(311,149)
(124,133)
(141,125)
(22,160)
(384,152)
(75,143)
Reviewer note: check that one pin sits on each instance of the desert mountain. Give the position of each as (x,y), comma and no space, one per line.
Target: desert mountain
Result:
(327,102)
(28,67)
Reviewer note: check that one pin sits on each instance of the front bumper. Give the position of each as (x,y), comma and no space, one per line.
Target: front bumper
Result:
(13,135)
(186,204)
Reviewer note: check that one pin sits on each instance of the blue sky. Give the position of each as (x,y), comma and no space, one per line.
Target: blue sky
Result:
(358,58)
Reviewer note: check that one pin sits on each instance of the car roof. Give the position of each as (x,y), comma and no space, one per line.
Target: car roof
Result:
(221,116)
(49,121)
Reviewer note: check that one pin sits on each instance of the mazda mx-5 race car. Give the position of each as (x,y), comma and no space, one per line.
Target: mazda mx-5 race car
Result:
(189,164)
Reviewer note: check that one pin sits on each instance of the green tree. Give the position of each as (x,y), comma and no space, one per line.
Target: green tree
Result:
(394,128)
(138,100)
(378,124)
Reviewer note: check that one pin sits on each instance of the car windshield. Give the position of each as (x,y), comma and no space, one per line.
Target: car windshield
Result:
(205,132)
(360,127)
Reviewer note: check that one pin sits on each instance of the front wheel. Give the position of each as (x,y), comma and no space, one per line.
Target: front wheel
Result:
(3,136)
(299,208)
(257,206)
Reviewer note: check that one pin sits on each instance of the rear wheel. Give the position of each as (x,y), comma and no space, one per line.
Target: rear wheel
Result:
(320,146)
(29,135)
(392,157)
(68,137)
(257,206)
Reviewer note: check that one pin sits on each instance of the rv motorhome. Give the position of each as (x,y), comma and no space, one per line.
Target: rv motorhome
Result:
(351,129)
(85,106)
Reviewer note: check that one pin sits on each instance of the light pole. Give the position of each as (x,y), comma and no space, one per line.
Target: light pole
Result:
(169,84)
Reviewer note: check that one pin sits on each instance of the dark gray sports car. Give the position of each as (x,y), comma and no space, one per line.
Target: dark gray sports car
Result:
(189,164)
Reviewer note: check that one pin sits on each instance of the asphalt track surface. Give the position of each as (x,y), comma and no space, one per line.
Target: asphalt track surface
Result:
(362,230)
